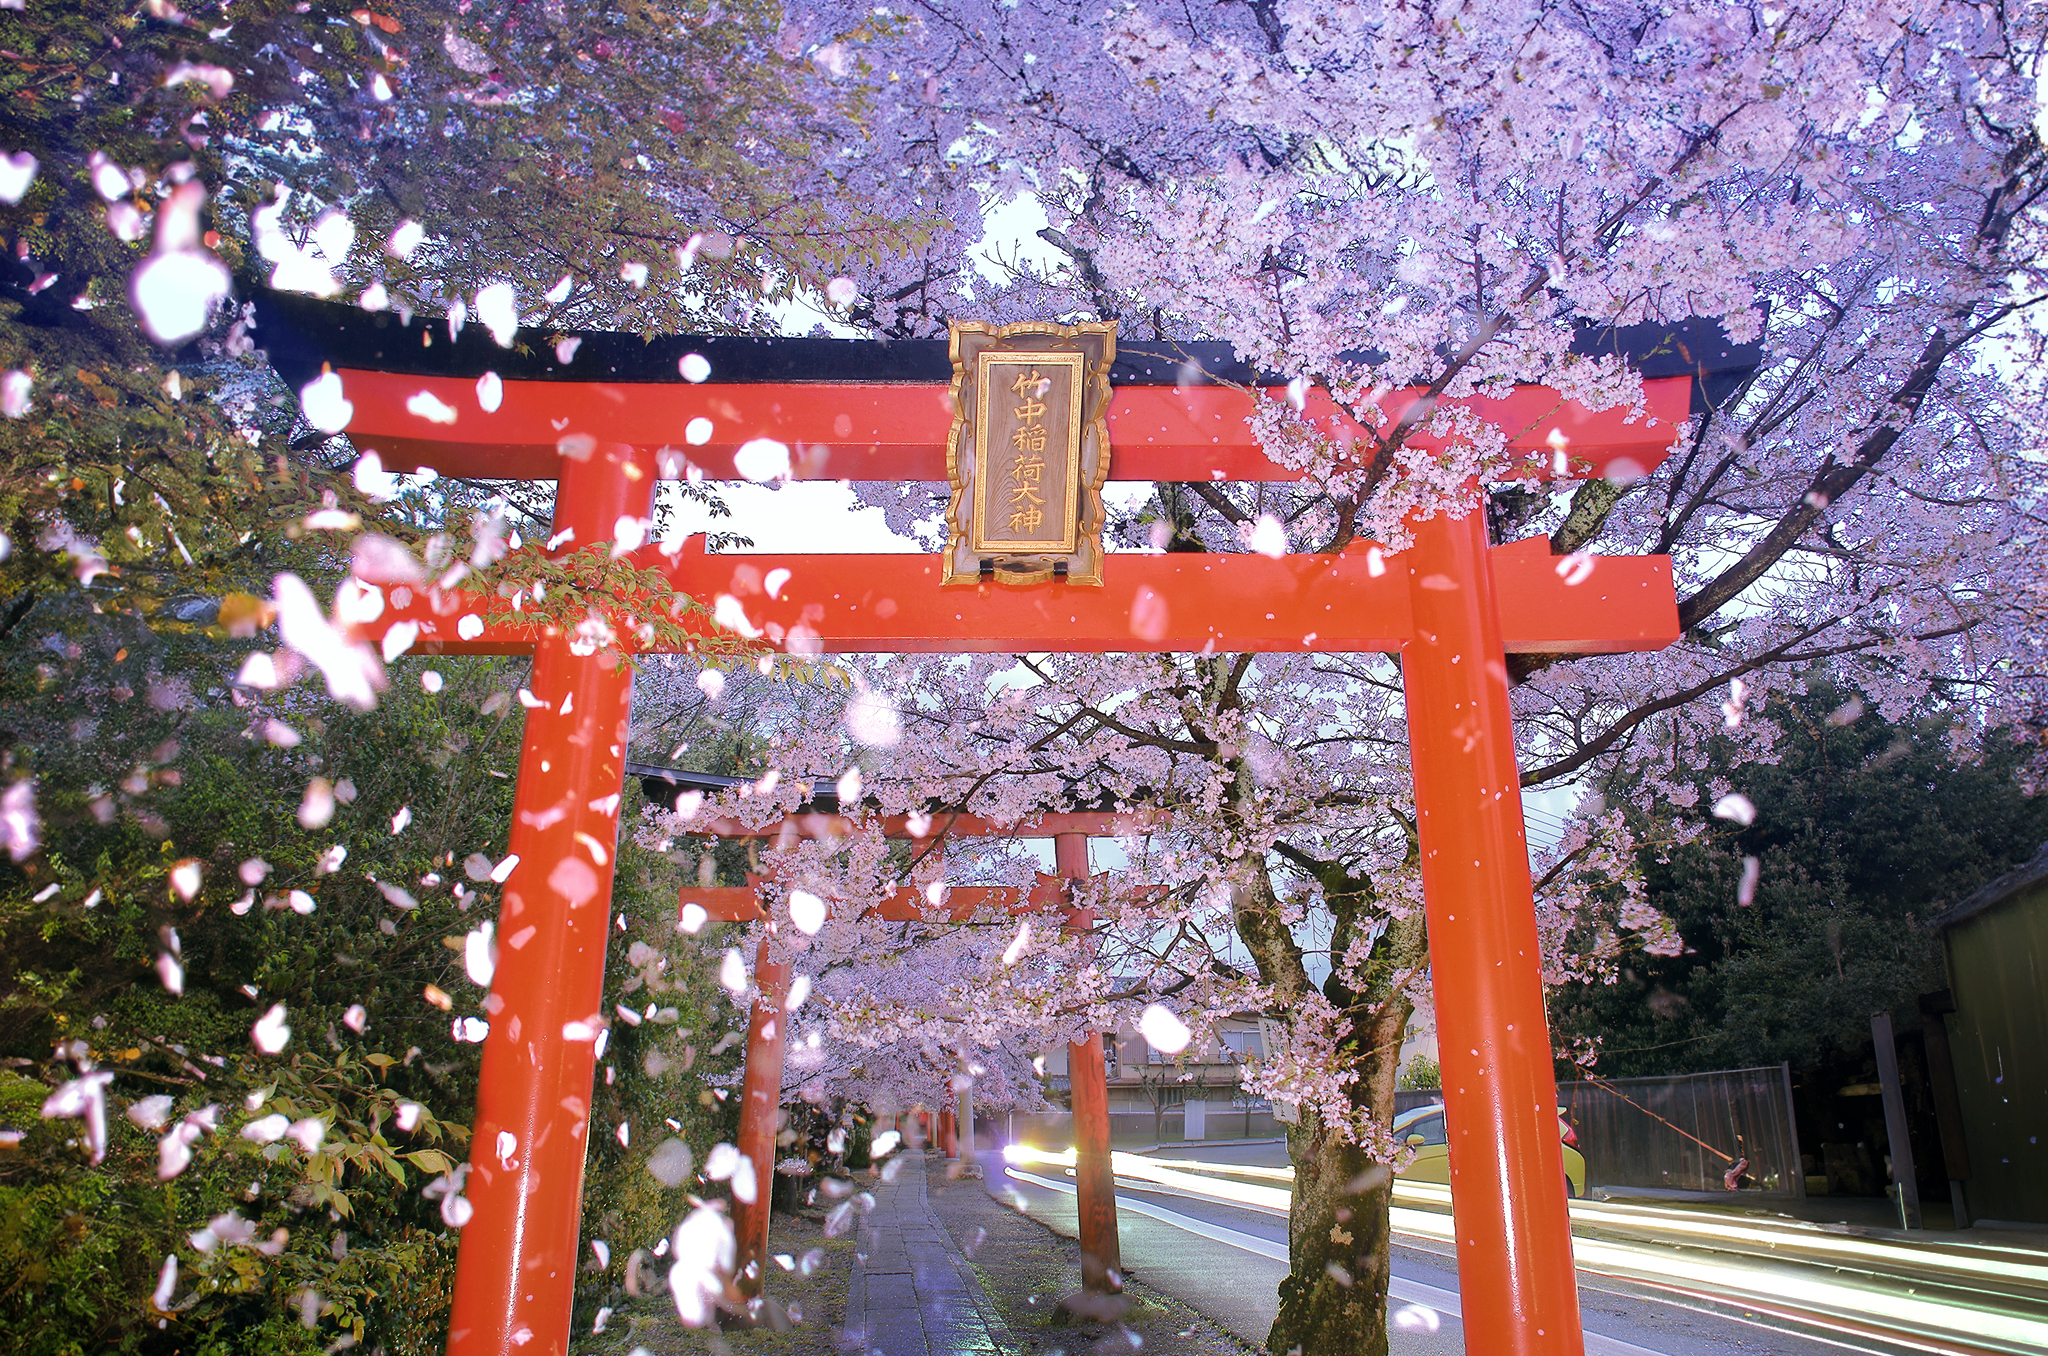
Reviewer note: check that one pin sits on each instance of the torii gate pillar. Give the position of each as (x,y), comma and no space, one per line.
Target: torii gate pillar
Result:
(1493,1036)
(1088,1083)
(515,1276)
(760,1112)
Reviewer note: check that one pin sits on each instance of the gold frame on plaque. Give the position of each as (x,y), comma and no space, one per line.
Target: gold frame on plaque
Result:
(975,555)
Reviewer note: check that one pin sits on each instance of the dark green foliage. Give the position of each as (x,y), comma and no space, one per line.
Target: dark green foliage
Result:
(1865,831)
(82,1245)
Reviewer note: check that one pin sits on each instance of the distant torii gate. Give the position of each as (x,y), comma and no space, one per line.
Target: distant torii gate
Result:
(767,1041)
(1452,606)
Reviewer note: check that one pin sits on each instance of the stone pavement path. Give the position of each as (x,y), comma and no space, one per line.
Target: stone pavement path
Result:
(913,1293)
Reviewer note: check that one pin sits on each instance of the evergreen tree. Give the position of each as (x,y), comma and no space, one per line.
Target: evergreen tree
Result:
(1865,830)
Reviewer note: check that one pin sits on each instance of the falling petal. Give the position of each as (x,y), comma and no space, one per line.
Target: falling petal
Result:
(1737,807)
(762,460)
(268,1130)
(430,407)
(807,911)
(1576,568)
(356,1018)
(872,720)
(153,1112)
(351,667)
(1163,1030)
(83,1098)
(377,559)
(732,972)
(185,878)
(174,1150)
(166,1285)
(270,1032)
(1624,471)
(670,1163)
(328,410)
(695,367)
(704,1249)
(21,828)
(1738,699)
(1752,872)
(372,480)
(17,172)
(398,638)
(490,392)
(316,808)
(720,1163)
(480,955)
(14,392)
(697,432)
(497,310)
(175,290)
(1268,537)
(1150,615)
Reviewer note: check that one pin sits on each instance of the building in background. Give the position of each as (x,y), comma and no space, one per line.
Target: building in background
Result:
(1996,1028)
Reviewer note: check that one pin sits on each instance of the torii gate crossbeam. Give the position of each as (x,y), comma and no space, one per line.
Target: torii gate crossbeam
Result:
(1452,606)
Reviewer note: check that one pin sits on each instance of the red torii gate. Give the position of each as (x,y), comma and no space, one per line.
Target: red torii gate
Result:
(1452,606)
(767,1042)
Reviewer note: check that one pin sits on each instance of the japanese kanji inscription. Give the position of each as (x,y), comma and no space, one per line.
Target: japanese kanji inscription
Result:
(1029,452)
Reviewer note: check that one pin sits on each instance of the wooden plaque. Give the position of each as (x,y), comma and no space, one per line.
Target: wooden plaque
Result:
(1029,452)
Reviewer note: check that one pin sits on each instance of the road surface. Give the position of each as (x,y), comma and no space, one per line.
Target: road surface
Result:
(1227,1262)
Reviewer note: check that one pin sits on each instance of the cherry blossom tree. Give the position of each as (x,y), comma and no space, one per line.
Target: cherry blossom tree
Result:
(1459,197)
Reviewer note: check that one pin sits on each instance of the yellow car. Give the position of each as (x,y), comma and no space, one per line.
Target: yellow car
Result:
(1422,1129)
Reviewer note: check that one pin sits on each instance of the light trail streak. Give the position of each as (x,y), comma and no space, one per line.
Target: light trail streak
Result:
(1783,1279)
(1444,1302)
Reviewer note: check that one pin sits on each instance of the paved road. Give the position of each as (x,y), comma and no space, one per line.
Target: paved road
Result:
(1227,1262)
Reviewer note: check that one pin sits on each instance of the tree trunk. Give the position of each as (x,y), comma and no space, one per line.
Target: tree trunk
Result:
(1339,1230)
(1334,1300)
